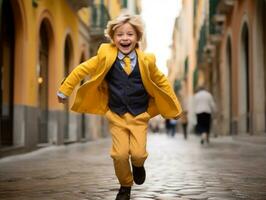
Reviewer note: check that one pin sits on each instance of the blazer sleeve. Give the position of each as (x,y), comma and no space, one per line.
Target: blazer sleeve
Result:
(86,68)
(163,84)
(157,76)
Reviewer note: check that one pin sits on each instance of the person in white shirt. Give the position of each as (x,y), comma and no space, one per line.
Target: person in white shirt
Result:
(204,107)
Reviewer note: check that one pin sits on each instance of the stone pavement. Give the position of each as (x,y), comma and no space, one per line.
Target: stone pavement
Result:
(226,169)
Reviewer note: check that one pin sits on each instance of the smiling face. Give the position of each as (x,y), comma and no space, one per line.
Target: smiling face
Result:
(125,38)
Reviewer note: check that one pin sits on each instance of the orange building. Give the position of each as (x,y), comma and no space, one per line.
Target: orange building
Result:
(229,39)
(238,69)
(41,42)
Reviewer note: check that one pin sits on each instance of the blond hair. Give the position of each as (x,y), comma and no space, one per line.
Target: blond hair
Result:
(134,20)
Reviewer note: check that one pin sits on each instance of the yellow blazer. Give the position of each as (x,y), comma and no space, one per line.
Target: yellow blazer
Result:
(92,96)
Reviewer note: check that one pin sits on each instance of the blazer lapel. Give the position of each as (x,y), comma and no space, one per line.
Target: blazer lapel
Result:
(144,71)
(111,54)
(108,53)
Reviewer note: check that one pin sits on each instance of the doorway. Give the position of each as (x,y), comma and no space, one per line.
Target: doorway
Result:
(7,30)
(229,88)
(68,52)
(43,83)
(244,99)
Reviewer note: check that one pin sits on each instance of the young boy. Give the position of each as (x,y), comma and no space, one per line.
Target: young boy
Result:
(126,86)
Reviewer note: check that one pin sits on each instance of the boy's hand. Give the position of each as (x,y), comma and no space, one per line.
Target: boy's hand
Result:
(62,100)
(61,97)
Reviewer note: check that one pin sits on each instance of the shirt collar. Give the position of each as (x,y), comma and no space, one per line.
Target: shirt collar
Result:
(132,55)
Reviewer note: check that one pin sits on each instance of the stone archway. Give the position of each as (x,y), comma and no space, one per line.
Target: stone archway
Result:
(244,82)
(68,60)
(43,72)
(228,83)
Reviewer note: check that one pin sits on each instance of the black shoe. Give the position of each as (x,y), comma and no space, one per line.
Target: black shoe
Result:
(139,174)
(123,194)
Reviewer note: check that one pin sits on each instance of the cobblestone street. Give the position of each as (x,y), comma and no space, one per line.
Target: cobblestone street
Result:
(226,169)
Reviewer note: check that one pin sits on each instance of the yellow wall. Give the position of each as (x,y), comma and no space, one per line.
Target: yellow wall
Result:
(84,15)
(114,8)
(63,21)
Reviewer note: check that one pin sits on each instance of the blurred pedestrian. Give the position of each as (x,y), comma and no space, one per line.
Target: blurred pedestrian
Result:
(155,124)
(184,122)
(167,126)
(172,127)
(126,87)
(204,106)
(184,116)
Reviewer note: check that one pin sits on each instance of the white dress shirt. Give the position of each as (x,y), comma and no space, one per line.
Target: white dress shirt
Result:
(133,59)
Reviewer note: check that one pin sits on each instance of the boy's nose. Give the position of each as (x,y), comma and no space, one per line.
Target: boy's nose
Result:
(124,37)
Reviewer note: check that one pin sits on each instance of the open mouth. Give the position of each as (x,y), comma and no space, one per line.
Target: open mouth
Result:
(125,45)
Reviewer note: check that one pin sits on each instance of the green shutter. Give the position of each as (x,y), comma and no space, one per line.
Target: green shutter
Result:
(201,43)
(100,16)
(123,3)
(212,12)
(195,78)
(177,86)
(186,68)
(195,8)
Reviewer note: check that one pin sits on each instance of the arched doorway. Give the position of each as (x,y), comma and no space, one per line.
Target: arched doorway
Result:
(7,33)
(68,54)
(228,83)
(43,70)
(244,84)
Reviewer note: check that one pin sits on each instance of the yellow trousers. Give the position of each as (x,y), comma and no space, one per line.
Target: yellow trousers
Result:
(129,138)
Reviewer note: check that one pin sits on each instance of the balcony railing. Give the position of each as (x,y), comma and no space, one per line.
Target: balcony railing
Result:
(78,4)
(202,42)
(212,12)
(100,17)
(216,21)
(226,6)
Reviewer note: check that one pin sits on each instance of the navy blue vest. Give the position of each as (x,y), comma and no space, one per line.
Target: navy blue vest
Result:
(126,92)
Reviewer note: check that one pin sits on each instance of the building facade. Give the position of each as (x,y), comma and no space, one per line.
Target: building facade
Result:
(229,45)
(240,64)
(182,63)
(41,43)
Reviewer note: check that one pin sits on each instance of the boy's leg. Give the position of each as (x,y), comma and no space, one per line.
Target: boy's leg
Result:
(208,137)
(173,130)
(185,130)
(120,148)
(138,126)
(138,138)
(137,144)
